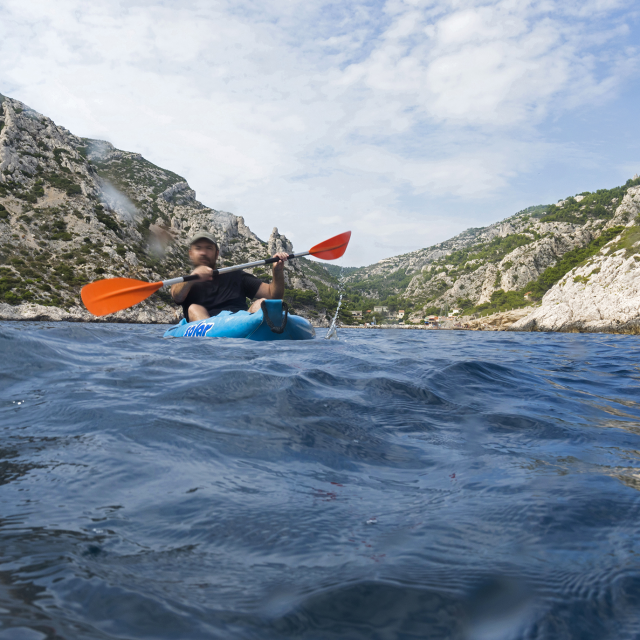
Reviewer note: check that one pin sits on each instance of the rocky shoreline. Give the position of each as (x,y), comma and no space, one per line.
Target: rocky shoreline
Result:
(515,320)
(601,295)
(143,313)
(39,313)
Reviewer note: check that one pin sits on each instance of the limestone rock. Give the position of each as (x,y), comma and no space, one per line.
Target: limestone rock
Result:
(499,321)
(278,243)
(74,210)
(141,314)
(604,293)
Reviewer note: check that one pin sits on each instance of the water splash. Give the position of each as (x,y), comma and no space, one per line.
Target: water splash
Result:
(332,333)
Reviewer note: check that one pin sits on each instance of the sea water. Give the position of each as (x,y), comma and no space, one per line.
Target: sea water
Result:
(392,484)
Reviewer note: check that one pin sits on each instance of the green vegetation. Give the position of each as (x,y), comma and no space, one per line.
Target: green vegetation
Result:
(57,154)
(600,205)
(384,286)
(536,211)
(125,171)
(500,301)
(8,281)
(38,189)
(628,237)
(74,190)
(63,183)
(107,220)
(31,196)
(59,231)
(569,260)
(39,276)
(300,297)
(335,270)
(503,300)
(466,261)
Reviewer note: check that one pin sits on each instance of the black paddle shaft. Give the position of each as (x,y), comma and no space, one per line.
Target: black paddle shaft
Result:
(291,256)
(195,276)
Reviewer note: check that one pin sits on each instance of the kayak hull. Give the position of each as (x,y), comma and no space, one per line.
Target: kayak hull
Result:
(251,326)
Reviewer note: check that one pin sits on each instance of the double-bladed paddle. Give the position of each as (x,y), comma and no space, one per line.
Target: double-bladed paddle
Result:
(103,297)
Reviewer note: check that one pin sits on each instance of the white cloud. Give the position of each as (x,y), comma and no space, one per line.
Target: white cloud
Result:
(323,116)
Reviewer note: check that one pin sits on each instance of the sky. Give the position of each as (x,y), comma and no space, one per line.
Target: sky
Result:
(406,121)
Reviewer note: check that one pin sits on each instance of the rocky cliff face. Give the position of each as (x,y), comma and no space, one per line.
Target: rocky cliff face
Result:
(603,292)
(524,255)
(73,210)
(492,266)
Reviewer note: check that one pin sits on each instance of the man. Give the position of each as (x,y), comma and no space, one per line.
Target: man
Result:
(208,296)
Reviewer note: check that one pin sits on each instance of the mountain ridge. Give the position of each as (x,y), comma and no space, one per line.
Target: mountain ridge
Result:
(74,209)
(508,264)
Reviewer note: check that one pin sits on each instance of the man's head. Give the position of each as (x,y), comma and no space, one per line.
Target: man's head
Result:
(203,249)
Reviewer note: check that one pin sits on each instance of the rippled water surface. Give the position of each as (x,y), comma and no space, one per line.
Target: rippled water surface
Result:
(392,484)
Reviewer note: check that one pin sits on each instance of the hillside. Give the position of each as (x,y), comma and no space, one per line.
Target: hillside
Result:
(509,264)
(602,291)
(73,210)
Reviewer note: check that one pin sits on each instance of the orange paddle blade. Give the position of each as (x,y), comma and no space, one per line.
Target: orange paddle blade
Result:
(114,294)
(333,248)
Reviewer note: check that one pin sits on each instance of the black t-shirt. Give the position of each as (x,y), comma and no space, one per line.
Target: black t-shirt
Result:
(226,292)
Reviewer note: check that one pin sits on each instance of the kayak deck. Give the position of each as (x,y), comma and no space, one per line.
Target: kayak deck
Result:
(271,322)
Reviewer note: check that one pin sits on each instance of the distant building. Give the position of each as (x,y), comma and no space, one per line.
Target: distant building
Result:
(527,296)
(357,314)
(401,313)
(380,309)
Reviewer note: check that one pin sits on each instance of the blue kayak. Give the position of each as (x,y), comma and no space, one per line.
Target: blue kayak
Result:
(272,322)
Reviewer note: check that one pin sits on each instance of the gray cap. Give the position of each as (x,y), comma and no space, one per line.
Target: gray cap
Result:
(203,234)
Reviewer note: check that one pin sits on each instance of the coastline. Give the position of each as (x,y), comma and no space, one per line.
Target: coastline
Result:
(521,320)
(30,312)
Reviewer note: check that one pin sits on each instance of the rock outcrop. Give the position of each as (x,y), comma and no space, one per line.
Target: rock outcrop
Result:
(603,293)
(498,321)
(73,210)
(509,264)
(145,313)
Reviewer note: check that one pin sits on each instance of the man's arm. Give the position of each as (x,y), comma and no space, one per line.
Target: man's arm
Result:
(275,290)
(179,292)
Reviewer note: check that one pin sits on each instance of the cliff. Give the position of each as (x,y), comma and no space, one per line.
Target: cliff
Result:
(506,265)
(73,210)
(602,293)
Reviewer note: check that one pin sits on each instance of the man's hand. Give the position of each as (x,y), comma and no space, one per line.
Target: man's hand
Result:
(282,258)
(275,290)
(205,273)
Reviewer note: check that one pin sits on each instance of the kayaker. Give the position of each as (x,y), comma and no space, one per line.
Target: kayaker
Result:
(201,299)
